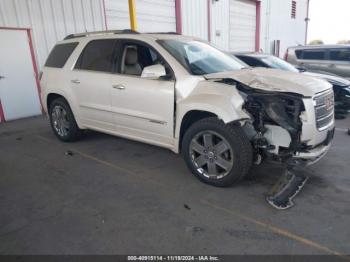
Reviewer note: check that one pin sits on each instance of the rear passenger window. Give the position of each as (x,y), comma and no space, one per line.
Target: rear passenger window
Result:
(299,53)
(340,54)
(60,54)
(314,54)
(97,56)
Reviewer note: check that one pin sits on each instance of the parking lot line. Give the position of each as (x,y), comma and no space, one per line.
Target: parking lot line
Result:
(277,230)
(273,228)
(106,163)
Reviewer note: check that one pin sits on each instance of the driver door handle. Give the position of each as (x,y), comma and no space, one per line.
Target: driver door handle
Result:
(119,87)
(2,77)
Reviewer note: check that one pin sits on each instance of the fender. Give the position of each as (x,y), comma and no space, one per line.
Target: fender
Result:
(217,98)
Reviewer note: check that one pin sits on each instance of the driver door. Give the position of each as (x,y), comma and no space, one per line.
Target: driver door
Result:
(142,108)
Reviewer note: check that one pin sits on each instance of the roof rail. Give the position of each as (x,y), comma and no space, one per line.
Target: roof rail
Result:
(125,31)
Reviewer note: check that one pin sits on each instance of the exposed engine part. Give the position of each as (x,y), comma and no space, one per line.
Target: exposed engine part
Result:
(286,188)
(273,108)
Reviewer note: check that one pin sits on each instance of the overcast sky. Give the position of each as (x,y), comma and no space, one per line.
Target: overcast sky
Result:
(330,20)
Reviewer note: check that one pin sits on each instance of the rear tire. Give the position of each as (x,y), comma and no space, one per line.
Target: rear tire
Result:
(218,154)
(63,122)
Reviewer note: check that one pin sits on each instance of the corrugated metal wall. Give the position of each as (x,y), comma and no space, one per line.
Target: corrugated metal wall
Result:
(242,25)
(195,18)
(220,17)
(52,20)
(277,24)
(152,15)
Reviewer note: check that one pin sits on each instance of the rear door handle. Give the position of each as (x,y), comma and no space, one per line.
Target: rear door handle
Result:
(331,65)
(75,81)
(120,87)
(2,77)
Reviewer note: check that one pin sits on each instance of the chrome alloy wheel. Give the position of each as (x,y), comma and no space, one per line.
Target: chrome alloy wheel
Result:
(211,154)
(60,120)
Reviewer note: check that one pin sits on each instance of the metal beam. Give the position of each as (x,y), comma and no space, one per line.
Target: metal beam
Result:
(132,15)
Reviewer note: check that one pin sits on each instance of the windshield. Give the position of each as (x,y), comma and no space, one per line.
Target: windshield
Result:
(275,62)
(200,58)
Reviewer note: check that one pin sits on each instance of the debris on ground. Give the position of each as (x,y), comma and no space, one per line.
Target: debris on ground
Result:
(187,207)
(19,138)
(69,153)
(286,188)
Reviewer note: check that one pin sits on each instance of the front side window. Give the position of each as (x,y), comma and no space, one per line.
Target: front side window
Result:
(200,58)
(136,56)
(340,54)
(60,54)
(314,54)
(97,56)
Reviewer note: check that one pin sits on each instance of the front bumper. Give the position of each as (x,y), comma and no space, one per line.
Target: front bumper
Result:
(313,155)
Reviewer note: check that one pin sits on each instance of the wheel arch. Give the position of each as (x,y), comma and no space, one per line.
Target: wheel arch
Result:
(189,119)
(54,95)
(196,108)
(51,97)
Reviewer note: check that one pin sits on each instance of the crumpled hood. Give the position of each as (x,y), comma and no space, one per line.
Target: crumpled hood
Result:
(275,80)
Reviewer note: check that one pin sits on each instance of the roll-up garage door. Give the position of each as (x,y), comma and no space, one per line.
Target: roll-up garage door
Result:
(242,25)
(152,15)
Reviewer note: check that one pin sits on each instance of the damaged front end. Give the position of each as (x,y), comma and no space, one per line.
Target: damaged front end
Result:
(275,126)
(275,130)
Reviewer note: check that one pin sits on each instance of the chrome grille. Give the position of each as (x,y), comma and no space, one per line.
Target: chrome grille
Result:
(324,109)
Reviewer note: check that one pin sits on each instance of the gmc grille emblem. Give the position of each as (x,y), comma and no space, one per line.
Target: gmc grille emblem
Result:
(329,102)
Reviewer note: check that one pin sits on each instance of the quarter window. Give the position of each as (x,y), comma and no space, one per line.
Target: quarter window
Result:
(299,53)
(97,56)
(314,54)
(340,54)
(60,54)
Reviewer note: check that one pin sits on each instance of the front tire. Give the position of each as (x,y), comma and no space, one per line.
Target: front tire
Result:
(218,154)
(63,122)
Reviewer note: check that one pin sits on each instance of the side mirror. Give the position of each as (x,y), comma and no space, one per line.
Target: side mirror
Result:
(153,72)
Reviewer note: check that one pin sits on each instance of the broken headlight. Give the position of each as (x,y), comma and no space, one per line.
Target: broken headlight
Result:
(283,110)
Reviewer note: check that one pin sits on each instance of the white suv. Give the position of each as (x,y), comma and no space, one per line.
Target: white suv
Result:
(183,94)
